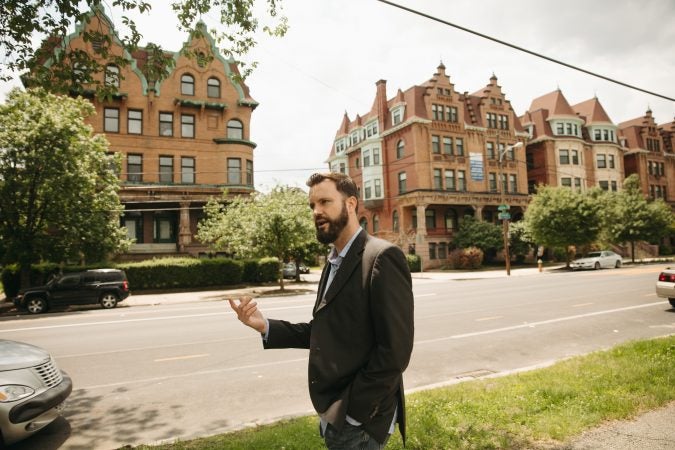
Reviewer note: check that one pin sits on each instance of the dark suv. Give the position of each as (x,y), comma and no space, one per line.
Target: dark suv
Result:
(104,286)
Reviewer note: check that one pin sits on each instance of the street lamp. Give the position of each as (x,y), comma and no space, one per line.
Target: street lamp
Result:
(503,207)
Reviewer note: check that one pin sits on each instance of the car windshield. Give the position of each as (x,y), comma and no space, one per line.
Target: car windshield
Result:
(593,255)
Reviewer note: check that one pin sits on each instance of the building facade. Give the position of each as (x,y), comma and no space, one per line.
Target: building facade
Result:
(430,156)
(183,139)
(574,146)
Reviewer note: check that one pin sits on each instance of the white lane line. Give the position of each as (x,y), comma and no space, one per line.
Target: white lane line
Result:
(483,319)
(148,319)
(151,347)
(579,305)
(424,295)
(535,324)
(191,374)
(181,358)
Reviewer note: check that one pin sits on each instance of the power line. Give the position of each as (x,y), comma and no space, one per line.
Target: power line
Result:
(516,47)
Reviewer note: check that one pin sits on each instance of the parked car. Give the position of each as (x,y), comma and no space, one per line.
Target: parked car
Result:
(598,260)
(104,286)
(665,286)
(32,390)
(289,270)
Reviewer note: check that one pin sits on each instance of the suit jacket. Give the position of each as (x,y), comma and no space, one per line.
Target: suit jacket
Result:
(360,340)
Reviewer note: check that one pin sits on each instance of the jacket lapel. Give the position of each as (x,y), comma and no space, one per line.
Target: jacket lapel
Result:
(349,263)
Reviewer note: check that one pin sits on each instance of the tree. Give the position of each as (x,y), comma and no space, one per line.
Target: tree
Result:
(520,240)
(560,217)
(58,185)
(629,217)
(23,22)
(278,224)
(483,235)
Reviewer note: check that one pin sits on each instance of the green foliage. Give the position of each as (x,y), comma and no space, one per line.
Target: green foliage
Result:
(58,187)
(173,273)
(466,258)
(277,224)
(414,262)
(475,233)
(25,20)
(520,240)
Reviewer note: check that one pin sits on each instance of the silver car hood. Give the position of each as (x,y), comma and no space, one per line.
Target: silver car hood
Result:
(18,355)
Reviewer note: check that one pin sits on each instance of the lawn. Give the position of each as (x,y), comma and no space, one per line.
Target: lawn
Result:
(527,410)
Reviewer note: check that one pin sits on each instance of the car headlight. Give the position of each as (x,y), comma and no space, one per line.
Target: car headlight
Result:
(14,392)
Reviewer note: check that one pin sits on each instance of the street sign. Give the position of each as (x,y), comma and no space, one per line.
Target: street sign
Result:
(504,216)
(503,207)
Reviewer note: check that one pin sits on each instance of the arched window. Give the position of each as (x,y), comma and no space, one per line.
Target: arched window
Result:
(235,129)
(187,85)
(450,220)
(112,75)
(394,221)
(213,88)
(376,223)
(400,149)
(364,223)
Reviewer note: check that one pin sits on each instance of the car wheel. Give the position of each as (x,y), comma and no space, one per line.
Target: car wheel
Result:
(36,305)
(108,300)
(596,266)
(672,302)
(618,264)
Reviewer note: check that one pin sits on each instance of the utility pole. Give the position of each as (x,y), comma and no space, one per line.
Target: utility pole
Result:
(503,207)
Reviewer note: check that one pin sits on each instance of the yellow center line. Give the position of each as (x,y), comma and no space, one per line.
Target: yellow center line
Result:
(581,304)
(489,318)
(177,358)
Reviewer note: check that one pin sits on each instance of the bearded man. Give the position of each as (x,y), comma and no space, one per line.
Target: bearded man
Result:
(360,337)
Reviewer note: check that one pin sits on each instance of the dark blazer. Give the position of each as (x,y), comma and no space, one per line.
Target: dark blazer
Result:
(360,340)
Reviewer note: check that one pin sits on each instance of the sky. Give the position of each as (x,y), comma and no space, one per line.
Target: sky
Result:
(336,50)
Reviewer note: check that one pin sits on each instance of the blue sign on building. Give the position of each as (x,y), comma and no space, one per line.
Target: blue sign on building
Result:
(476,164)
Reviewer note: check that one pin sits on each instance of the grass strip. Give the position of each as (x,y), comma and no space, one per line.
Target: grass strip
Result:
(535,409)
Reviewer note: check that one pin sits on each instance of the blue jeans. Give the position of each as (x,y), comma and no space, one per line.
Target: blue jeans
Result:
(350,438)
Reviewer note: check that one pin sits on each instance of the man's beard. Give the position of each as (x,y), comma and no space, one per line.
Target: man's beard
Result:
(335,227)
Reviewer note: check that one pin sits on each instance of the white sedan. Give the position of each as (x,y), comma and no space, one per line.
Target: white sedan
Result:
(598,260)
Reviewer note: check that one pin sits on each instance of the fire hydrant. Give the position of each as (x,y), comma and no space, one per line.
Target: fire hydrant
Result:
(540,264)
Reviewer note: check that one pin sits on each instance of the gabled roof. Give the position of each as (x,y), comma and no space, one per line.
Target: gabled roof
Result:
(554,102)
(592,111)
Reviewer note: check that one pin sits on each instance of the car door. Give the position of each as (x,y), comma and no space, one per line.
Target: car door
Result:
(606,260)
(66,290)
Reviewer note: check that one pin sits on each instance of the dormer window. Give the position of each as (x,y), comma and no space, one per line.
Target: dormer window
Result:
(566,128)
(371,129)
(340,146)
(603,134)
(397,114)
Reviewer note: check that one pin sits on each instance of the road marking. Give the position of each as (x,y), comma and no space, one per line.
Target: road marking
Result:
(482,319)
(579,305)
(535,324)
(423,295)
(181,358)
(191,374)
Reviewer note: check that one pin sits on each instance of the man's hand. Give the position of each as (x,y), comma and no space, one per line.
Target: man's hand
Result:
(248,313)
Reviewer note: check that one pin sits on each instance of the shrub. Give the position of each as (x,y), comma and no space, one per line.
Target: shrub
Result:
(414,263)
(466,258)
(665,250)
(268,270)
(166,273)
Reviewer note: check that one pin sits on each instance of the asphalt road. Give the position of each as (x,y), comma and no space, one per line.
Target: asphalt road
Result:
(181,368)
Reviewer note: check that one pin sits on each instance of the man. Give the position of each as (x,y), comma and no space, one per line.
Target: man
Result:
(361,335)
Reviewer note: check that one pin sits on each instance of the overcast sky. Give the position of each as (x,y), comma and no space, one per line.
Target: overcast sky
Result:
(336,50)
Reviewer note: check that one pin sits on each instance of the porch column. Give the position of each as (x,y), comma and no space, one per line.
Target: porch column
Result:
(478,213)
(421,246)
(184,233)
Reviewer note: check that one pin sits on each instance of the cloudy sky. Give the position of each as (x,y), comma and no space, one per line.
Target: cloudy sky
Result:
(336,50)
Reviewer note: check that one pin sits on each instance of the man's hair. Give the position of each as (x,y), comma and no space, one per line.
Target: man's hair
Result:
(344,184)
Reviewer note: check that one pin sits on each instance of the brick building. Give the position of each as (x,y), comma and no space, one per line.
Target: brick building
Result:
(429,156)
(575,146)
(183,138)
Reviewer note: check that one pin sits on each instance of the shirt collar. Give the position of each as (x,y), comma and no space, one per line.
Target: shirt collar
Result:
(335,258)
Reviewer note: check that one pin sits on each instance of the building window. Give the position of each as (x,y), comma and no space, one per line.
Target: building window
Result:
(187,85)
(611,161)
(378,188)
(566,181)
(134,121)
(513,183)
(435,111)
(451,114)
(111,123)
(614,186)
(376,156)
(233,171)
(438,180)
(166,169)
(187,125)
(503,122)
(235,129)
(459,146)
(165,124)
(602,161)
(491,120)
(112,75)
(394,221)
(492,181)
(343,168)
(400,149)
(575,157)
(165,229)
(604,185)
(461,180)
(450,219)
(249,172)
(450,180)
(430,219)
(396,116)
(213,88)
(367,190)
(432,250)
(187,170)
(490,150)
(564,156)
(442,250)
(134,168)
(447,145)
(510,152)
(435,145)
(577,184)
(366,158)
(376,223)
(402,181)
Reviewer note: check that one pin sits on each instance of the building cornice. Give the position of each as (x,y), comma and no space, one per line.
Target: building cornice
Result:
(220,141)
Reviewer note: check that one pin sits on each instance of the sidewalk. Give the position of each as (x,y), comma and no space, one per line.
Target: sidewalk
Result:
(654,430)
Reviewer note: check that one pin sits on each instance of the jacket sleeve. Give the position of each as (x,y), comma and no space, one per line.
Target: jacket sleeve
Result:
(283,334)
(391,303)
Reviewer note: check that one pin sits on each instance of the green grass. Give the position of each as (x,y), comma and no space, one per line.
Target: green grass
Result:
(528,410)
